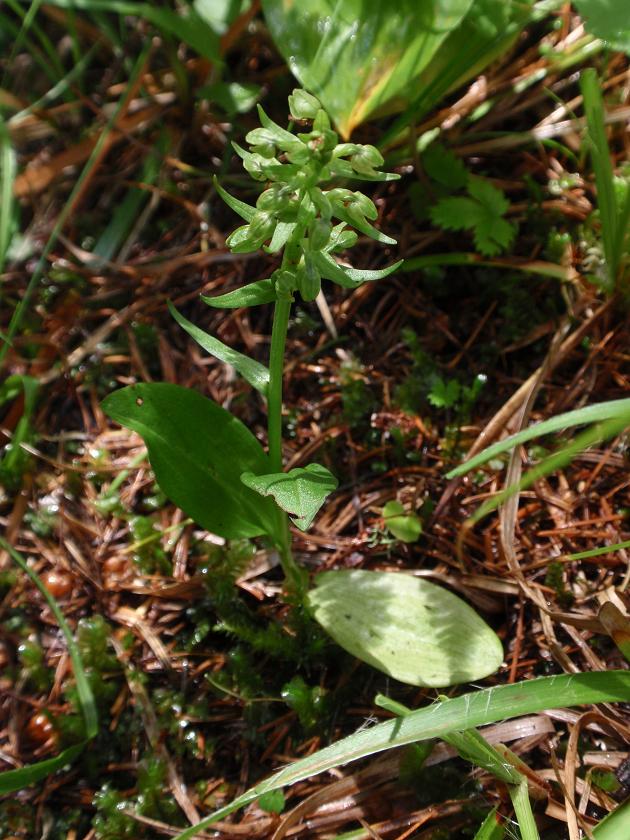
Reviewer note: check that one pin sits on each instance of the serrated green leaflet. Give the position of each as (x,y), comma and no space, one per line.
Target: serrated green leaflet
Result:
(406,627)
(470,710)
(252,371)
(300,492)
(198,451)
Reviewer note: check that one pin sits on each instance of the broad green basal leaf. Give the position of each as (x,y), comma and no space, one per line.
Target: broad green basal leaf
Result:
(301,492)
(357,57)
(408,628)
(198,452)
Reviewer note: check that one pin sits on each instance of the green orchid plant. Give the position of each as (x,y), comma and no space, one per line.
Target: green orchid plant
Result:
(209,464)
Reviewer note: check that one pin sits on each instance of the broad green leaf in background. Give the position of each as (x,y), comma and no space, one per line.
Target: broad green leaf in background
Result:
(232,97)
(198,451)
(404,526)
(357,56)
(608,20)
(219,14)
(406,627)
(474,709)
(300,492)
(252,371)
(487,31)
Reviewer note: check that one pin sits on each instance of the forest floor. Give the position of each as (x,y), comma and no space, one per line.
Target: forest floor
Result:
(389,385)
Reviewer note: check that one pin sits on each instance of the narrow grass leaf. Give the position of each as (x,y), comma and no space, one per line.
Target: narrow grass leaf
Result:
(86,698)
(252,371)
(540,267)
(600,156)
(22,307)
(492,828)
(597,552)
(519,794)
(558,459)
(188,26)
(470,710)
(126,212)
(13,780)
(615,409)
(8,168)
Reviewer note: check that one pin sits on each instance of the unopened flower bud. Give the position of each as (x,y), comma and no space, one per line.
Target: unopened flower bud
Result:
(308,279)
(319,234)
(303,105)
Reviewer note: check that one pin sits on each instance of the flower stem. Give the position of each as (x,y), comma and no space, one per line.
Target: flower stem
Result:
(293,573)
(274,391)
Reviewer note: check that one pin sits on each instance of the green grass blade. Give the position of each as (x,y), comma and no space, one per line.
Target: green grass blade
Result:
(127,211)
(470,710)
(21,308)
(492,827)
(558,459)
(616,825)
(86,698)
(539,267)
(523,810)
(8,168)
(600,156)
(189,28)
(596,552)
(59,88)
(581,416)
(12,780)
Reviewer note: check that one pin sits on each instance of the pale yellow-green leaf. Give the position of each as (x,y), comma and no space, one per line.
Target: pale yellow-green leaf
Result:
(413,630)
